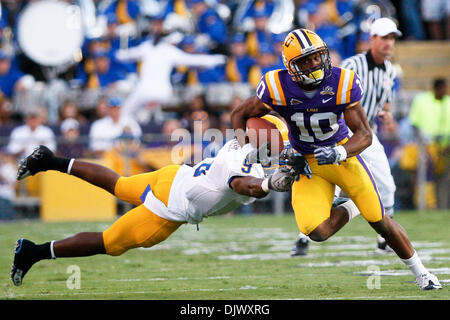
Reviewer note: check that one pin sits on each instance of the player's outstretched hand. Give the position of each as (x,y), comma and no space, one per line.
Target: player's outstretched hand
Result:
(298,162)
(282,179)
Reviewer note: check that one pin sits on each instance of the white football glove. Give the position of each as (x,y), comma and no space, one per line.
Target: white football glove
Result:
(281,180)
(329,155)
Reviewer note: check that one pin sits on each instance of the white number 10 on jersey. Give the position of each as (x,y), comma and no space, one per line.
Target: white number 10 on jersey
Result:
(320,130)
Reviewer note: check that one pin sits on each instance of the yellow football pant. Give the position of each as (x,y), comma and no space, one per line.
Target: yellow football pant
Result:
(140,227)
(312,198)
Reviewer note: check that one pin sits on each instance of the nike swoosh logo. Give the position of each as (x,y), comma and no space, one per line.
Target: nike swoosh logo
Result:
(325,101)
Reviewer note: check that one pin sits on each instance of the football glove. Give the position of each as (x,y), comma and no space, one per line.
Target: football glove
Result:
(328,155)
(299,164)
(282,179)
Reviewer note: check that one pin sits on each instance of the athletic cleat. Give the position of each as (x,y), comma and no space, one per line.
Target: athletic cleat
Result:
(23,260)
(300,248)
(428,281)
(39,160)
(382,246)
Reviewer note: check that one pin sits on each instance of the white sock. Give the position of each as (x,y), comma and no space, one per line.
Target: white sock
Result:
(351,208)
(302,236)
(52,252)
(415,265)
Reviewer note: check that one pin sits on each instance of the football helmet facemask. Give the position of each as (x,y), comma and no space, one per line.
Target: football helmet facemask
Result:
(299,44)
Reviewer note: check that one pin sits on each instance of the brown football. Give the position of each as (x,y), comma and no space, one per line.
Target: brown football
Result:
(260,131)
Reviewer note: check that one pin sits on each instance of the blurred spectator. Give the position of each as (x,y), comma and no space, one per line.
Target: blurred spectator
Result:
(335,21)
(158,57)
(101,108)
(239,63)
(12,80)
(25,138)
(125,156)
(70,110)
(103,76)
(436,14)
(209,23)
(70,145)
(277,46)
(90,46)
(343,14)
(43,114)
(322,23)
(116,42)
(430,117)
(411,19)
(430,113)
(266,61)
(105,130)
(168,149)
(169,127)
(204,75)
(125,11)
(335,57)
(260,5)
(260,35)
(5,112)
(8,171)
(225,124)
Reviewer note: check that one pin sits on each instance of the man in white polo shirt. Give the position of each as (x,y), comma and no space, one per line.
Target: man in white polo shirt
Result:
(105,130)
(25,138)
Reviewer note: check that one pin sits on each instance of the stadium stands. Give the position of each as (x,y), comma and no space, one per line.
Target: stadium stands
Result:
(115,24)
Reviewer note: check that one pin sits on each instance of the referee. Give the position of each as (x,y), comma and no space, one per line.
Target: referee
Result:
(377,76)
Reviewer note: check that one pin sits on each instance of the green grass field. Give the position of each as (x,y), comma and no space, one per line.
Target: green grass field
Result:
(235,258)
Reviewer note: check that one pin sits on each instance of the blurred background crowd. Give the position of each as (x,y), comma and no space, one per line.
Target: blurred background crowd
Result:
(112,79)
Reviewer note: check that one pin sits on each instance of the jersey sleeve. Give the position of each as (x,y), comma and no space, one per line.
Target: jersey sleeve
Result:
(270,90)
(263,94)
(350,89)
(357,90)
(238,166)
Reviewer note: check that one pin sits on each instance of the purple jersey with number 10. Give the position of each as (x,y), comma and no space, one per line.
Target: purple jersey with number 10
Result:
(315,120)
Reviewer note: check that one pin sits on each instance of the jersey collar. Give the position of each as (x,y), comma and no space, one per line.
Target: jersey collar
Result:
(371,64)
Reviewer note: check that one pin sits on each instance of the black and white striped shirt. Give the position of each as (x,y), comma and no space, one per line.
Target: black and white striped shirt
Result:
(377,81)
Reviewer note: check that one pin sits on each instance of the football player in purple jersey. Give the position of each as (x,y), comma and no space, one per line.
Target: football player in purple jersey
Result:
(320,103)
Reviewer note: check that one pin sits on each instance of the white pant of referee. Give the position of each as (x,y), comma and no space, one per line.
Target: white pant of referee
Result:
(375,157)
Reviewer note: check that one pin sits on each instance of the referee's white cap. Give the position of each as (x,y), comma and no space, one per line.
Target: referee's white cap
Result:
(384,26)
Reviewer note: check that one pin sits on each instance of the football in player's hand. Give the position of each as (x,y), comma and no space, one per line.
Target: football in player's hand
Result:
(261,131)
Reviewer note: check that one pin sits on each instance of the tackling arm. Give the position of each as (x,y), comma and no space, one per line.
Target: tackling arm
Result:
(249,186)
(281,180)
(252,107)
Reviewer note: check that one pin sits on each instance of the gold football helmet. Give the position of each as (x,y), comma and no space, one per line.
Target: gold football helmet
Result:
(299,44)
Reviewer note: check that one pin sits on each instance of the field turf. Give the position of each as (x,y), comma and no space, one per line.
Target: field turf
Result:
(235,258)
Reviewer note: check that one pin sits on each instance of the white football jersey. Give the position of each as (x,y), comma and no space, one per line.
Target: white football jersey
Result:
(204,190)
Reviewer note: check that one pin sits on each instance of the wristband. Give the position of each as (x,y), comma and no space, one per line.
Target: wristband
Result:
(69,168)
(342,153)
(265,185)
